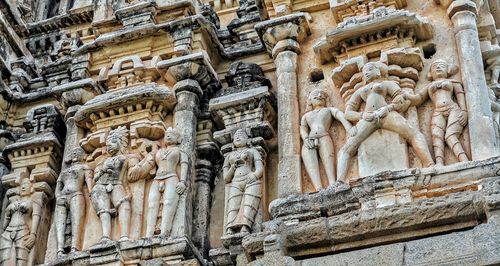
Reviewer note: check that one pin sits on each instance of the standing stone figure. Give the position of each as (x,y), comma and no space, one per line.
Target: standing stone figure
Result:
(314,127)
(70,199)
(242,172)
(167,185)
(18,236)
(110,193)
(448,117)
(378,114)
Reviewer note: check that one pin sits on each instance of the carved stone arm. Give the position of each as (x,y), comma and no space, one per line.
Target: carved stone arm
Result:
(352,106)
(184,167)
(339,115)
(228,170)
(304,128)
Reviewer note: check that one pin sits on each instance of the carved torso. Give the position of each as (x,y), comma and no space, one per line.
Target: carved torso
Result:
(441,93)
(73,178)
(112,168)
(374,95)
(167,160)
(319,121)
(19,210)
(243,160)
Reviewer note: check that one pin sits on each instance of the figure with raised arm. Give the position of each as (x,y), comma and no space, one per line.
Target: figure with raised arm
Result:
(378,114)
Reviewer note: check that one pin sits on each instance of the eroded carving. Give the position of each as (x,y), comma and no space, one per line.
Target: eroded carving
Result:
(110,195)
(379,114)
(167,185)
(22,218)
(242,171)
(449,117)
(70,199)
(318,144)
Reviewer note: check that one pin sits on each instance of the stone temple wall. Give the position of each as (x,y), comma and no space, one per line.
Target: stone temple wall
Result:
(250,132)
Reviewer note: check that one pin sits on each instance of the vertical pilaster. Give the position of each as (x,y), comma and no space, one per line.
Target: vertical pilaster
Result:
(482,132)
(187,92)
(289,168)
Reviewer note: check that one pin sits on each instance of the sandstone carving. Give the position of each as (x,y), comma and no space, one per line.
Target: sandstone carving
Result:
(449,117)
(318,144)
(378,114)
(110,194)
(70,201)
(249,132)
(167,185)
(19,235)
(242,171)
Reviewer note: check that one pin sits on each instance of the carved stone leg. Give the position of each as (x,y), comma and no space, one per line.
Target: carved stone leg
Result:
(170,202)
(482,132)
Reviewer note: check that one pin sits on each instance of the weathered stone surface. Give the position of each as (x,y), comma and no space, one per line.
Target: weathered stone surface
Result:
(250,132)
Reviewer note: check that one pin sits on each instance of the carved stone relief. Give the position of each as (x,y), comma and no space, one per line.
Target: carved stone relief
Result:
(379,114)
(70,201)
(318,144)
(251,132)
(242,172)
(449,117)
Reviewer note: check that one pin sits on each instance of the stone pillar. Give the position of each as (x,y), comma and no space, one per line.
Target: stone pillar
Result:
(202,200)
(463,13)
(187,92)
(282,37)
(289,168)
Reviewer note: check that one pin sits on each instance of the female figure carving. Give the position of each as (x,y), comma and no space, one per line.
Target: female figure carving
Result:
(314,128)
(110,193)
(69,199)
(242,171)
(449,117)
(19,235)
(378,114)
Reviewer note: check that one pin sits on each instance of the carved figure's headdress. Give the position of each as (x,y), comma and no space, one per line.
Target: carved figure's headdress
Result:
(120,135)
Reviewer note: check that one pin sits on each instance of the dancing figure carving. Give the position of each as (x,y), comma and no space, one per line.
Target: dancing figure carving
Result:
(378,114)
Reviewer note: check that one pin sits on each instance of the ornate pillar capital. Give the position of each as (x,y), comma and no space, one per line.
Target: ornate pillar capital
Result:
(294,27)
(193,72)
(460,6)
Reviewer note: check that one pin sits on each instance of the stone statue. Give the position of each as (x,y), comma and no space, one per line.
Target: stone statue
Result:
(167,185)
(70,199)
(378,114)
(449,117)
(314,127)
(110,193)
(242,171)
(19,235)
